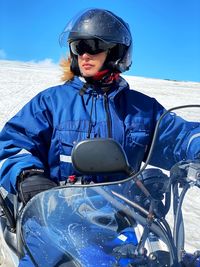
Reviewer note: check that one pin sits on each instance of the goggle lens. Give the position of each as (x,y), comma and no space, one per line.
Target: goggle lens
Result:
(91,46)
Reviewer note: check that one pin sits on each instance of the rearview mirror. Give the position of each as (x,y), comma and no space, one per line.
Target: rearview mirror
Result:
(99,156)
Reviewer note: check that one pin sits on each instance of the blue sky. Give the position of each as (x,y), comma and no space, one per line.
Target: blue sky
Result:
(166,33)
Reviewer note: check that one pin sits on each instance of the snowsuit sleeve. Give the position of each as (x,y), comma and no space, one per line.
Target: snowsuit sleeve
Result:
(24,141)
(177,140)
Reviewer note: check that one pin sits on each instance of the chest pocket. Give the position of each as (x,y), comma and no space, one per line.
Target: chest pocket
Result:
(68,136)
(137,140)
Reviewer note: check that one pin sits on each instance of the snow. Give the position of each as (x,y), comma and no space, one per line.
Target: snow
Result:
(20,81)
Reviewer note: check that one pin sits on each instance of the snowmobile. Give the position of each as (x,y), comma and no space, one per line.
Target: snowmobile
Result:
(119,223)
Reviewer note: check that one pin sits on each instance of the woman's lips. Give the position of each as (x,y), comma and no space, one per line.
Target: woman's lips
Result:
(87,66)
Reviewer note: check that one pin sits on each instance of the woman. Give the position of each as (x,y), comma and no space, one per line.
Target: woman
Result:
(95,101)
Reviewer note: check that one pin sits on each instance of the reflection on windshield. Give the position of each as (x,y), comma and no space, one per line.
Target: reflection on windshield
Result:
(74,224)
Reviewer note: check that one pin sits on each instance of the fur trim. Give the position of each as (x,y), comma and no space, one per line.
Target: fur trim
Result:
(67,73)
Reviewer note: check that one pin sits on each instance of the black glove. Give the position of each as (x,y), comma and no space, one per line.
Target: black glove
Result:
(31,182)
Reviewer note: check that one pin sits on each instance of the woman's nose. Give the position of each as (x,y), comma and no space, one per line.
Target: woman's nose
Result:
(85,56)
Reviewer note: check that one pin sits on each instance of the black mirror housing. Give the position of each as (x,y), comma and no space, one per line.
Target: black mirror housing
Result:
(99,156)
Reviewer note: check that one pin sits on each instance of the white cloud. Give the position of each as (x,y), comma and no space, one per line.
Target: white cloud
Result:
(2,54)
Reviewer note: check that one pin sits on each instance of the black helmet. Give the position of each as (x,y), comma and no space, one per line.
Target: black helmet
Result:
(106,26)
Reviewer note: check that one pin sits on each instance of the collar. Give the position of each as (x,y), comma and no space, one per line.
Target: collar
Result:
(114,89)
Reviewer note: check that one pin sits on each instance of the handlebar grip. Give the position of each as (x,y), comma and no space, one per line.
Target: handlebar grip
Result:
(194,172)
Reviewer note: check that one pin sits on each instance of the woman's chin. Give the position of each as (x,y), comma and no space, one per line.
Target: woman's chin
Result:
(87,74)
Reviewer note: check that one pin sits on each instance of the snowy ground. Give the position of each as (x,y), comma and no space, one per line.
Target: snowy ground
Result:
(19,82)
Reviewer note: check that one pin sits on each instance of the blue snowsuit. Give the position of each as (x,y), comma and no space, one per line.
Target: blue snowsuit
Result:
(43,133)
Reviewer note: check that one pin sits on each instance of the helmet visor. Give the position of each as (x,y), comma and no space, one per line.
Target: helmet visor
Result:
(91,46)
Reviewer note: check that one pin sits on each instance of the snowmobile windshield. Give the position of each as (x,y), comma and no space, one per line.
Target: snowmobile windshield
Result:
(96,23)
(80,227)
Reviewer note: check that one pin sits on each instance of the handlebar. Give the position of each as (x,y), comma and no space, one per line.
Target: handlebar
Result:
(186,172)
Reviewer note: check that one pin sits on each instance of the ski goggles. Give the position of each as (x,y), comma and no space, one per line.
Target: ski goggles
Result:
(90,46)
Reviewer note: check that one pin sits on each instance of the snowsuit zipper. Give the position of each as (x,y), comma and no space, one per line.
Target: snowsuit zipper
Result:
(108,116)
(91,123)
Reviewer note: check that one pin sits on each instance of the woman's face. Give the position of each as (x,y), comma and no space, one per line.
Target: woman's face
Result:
(89,65)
